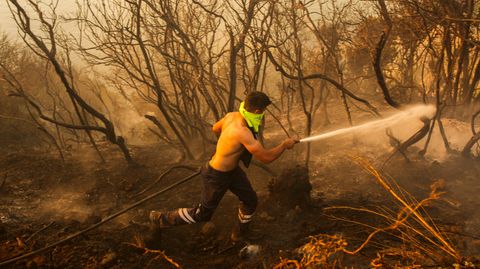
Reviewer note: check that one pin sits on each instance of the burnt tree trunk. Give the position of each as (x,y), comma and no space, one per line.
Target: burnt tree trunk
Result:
(466,152)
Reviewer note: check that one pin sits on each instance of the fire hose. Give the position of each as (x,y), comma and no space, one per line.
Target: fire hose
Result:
(104,220)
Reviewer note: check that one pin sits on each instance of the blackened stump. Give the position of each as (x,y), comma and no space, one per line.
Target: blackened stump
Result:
(291,189)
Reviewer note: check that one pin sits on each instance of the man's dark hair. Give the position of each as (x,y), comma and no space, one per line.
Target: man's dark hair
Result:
(256,100)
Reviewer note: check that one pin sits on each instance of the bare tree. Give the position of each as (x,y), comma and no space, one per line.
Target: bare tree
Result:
(44,44)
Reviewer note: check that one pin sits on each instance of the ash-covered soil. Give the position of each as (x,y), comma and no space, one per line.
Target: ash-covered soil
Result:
(44,200)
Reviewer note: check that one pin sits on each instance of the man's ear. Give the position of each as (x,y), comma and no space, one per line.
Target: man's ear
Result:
(258,111)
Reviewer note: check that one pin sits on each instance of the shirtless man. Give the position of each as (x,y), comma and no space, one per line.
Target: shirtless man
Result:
(236,141)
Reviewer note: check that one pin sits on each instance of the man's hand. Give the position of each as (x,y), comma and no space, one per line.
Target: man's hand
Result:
(289,143)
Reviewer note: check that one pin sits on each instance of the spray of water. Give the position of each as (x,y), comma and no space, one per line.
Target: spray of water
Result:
(412,113)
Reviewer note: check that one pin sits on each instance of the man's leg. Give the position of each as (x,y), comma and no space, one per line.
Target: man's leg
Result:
(172,218)
(214,187)
(242,188)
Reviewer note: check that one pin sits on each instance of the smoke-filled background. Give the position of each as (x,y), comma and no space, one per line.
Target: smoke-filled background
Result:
(164,72)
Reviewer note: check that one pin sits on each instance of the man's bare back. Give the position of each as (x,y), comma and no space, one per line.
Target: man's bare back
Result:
(229,148)
(233,133)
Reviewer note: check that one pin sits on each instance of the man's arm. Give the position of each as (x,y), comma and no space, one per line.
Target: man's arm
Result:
(217,127)
(259,152)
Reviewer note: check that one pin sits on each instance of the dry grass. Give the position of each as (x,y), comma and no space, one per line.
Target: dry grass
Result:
(412,220)
(421,238)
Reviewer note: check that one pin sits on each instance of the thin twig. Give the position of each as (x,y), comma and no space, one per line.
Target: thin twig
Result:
(4,180)
(156,251)
(39,231)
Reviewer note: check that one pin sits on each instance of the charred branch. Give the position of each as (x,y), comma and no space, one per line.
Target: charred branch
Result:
(280,69)
(157,123)
(402,147)
(466,152)
(4,180)
(379,73)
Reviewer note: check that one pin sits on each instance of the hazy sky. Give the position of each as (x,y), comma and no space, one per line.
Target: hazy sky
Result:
(7,24)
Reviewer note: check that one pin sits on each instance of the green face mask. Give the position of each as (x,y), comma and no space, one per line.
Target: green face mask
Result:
(253,120)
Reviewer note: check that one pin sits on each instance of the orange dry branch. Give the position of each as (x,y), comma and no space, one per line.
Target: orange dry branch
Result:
(162,254)
(159,253)
(321,252)
(420,235)
(287,264)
